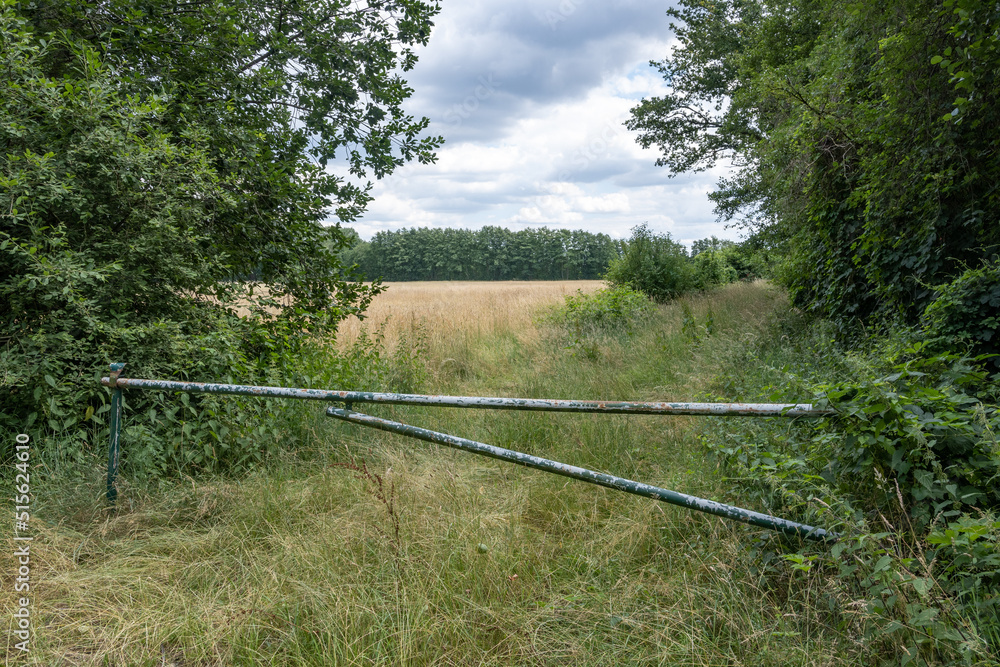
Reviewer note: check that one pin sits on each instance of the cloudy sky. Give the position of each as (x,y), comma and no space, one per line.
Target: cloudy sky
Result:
(530,97)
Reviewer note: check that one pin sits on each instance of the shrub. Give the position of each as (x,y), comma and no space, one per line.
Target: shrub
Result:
(906,473)
(169,433)
(653,264)
(749,263)
(138,195)
(713,268)
(611,310)
(924,427)
(588,318)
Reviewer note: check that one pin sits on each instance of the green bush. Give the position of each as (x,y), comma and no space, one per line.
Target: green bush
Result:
(926,426)
(653,264)
(906,472)
(586,319)
(660,268)
(918,450)
(749,262)
(612,310)
(169,433)
(713,268)
(124,237)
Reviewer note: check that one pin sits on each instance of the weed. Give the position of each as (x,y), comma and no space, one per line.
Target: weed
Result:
(689,325)
(383,492)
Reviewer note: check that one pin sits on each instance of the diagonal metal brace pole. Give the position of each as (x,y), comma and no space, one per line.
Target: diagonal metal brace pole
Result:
(601,479)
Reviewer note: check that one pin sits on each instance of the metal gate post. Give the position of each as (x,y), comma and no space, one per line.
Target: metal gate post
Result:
(115,423)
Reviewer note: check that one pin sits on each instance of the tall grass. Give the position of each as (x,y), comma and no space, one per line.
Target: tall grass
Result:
(300,564)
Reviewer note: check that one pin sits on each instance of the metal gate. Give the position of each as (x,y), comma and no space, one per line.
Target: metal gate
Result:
(349,398)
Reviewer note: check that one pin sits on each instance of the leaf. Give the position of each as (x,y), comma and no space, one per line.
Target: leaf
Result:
(922,585)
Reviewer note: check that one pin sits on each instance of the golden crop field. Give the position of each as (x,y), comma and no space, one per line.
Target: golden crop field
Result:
(457,307)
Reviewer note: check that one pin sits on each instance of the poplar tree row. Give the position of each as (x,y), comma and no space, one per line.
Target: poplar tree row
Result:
(490,253)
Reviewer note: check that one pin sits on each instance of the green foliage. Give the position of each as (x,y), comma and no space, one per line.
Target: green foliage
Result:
(713,268)
(906,472)
(719,262)
(689,325)
(490,253)
(749,261)
(586,318)
(613,309)
(653,264)
(966,311)
(151,164)
(833,114)
(169,433)
(971,60)
(688,125)
(660,268)
(920,445)
(922,426)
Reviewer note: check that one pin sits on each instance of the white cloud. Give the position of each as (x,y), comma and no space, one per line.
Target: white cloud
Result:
(532,112)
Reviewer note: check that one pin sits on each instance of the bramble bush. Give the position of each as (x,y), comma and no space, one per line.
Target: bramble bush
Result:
(907,472)
(966,312)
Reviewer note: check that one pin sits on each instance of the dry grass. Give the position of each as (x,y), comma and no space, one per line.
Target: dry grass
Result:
(439,309)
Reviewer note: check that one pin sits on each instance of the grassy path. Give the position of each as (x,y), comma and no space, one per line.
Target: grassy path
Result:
(380,550)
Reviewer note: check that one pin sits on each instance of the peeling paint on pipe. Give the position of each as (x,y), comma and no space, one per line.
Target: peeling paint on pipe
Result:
(487,403)
(602,479)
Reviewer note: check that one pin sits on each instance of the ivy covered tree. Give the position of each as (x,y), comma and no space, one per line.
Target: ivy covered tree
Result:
(158,154)
(862,139)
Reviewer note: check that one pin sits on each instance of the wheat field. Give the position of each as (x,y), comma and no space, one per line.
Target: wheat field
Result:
(459,307)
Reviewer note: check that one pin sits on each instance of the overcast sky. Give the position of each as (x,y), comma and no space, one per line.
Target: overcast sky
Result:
(530,97)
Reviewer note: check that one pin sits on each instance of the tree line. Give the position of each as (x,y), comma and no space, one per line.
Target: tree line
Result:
(490,253)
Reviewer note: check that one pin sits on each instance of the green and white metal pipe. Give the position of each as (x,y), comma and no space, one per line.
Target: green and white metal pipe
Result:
(484,402)
(117,384)
(115,423)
